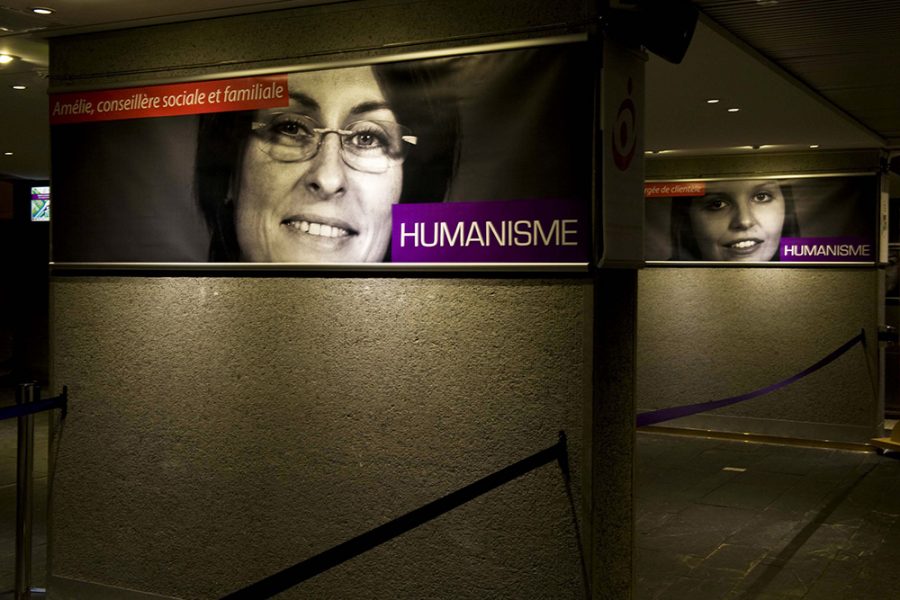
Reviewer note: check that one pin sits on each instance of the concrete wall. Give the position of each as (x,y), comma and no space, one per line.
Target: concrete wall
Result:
(224,428)
(706,334)
(711,333)
(341,31)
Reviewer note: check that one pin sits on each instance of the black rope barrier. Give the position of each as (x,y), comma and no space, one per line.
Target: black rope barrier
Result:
(291,576)
(676,412)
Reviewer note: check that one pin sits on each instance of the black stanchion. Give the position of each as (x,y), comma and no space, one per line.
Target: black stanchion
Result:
(26,394)
(28,403)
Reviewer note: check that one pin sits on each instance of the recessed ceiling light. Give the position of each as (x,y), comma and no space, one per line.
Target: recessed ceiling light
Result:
(712,101)
(6,58)
(733,109)
(42,10)
(19,87)
(7,154)
(813,146)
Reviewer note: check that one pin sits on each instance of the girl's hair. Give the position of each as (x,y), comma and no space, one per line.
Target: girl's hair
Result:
(684,241)
(413,92)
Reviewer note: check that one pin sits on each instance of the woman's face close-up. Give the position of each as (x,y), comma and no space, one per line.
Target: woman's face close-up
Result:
(738,220)
(318,179)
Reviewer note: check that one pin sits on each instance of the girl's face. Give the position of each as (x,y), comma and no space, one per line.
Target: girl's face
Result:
(738,220)
(297,201)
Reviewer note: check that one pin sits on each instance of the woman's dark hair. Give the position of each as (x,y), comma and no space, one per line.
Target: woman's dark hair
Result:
(684,240)
(419,101)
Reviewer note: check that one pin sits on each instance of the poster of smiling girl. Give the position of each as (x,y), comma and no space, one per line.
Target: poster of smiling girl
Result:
(783,219)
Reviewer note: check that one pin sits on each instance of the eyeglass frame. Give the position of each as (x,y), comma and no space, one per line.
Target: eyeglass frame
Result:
(343,134)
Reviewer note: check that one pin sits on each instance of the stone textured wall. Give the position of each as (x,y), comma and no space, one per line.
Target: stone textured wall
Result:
(315,34)
(706,334)
(222,429)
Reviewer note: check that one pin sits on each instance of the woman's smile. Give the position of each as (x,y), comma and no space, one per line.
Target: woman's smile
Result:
(317,227)
(744,246)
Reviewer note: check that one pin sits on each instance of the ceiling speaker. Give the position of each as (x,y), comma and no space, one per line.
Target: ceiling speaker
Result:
(664,27)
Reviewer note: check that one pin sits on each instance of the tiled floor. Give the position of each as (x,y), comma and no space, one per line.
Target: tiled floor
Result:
(739,521)
(715,520)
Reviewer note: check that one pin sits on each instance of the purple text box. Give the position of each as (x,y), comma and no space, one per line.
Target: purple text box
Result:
(525,231)
(827,249)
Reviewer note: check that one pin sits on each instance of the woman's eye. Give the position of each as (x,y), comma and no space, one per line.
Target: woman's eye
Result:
(762,197)
(290,126)
(370,136)
(714,204)
(368,140)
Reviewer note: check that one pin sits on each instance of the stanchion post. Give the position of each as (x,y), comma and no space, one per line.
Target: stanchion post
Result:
(26,393)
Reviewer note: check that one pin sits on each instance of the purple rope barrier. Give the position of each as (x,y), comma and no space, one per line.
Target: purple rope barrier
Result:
(676,412)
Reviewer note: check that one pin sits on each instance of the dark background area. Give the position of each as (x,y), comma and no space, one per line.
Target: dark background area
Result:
(123,192)
(24,295)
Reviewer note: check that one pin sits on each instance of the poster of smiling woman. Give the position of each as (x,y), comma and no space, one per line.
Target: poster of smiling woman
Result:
(784,219)
(483,156)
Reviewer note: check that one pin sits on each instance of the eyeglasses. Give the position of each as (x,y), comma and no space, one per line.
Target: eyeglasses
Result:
(368,146)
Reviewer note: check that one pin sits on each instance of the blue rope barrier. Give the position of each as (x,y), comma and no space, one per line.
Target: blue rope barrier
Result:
(22,410)
(676,412)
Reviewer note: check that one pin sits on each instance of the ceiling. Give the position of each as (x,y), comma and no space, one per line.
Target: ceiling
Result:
(802,72)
